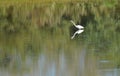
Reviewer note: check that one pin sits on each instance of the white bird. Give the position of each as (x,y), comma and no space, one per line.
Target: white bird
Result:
(77,26)
(80,29)
(77,32)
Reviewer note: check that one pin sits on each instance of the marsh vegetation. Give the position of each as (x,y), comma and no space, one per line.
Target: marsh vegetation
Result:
(35,38)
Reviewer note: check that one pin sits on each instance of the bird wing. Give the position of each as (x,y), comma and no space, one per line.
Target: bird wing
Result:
(79,27)
(79,31)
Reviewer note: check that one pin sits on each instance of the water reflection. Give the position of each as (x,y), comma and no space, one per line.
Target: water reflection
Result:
(47,50)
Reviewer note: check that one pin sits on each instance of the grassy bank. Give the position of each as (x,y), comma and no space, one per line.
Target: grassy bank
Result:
(14,18)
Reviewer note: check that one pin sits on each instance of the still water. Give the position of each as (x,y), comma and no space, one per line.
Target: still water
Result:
(50,51)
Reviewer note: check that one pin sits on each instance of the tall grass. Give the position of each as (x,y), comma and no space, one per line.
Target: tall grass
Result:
(24,16)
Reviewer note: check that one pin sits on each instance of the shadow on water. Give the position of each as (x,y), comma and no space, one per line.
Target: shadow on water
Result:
(37,40)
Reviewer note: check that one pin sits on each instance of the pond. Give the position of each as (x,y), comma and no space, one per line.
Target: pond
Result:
(35,40)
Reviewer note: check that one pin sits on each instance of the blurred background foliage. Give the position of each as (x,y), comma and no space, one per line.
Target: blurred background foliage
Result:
(31,27)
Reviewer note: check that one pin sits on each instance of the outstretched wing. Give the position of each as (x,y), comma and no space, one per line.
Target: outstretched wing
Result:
(79,27)
(79,31)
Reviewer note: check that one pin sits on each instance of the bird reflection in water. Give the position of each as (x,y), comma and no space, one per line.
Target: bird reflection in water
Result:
(79,27)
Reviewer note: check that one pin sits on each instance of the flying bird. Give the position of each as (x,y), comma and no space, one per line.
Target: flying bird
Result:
(80,29)
(77,26)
